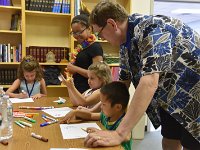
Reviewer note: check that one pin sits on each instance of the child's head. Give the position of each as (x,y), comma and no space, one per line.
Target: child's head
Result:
(99,74)
(29,69)
(114,97)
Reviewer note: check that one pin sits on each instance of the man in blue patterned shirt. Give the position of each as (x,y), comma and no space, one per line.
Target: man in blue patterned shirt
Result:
(161,56)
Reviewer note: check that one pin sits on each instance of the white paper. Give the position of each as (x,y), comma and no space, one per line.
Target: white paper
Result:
(74,131)
(21,100)
(57,112)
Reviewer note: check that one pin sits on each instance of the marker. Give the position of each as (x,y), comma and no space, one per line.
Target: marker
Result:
(39,137)
(29,119)
(23,92)
(25,123)
(4,142)
(31,113)
(35,108)
(47,123)
(84,130)
(49,118)
(19,124)
(45,119)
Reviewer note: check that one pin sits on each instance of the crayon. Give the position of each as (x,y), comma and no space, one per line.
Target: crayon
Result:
(39,137)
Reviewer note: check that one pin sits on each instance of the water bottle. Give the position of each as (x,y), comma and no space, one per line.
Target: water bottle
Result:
(6,111)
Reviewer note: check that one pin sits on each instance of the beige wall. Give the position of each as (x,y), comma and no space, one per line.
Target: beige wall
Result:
(142,6)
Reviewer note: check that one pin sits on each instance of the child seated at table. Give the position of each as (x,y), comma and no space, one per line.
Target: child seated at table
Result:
(114,100)
(30,82)
(99,74)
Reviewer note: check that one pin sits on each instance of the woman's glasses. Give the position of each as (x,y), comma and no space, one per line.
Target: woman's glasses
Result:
(77,33)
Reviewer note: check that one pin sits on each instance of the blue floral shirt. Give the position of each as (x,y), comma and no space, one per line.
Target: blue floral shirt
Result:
(171,48)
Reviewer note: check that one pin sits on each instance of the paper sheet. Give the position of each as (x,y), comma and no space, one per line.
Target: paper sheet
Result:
(21,100)
(58,112)
(74,131)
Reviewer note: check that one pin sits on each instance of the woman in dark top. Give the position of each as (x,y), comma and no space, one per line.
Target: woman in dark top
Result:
(87,52)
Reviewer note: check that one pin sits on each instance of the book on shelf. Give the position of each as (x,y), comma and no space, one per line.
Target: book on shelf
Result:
(16,22)
(39,52)
(10,53)
(6,2)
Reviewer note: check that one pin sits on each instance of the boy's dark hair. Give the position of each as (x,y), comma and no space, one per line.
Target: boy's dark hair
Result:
(117,93)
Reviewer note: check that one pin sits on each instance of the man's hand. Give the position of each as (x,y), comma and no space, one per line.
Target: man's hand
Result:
(103,138)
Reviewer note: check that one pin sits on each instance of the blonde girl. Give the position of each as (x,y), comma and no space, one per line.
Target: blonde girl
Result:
(30,82)
(99,74)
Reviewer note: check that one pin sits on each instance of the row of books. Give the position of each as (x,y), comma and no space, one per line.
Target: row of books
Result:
(8,76)
(57,6)
(16,22)
(40,53)
(10,53)
(6,2)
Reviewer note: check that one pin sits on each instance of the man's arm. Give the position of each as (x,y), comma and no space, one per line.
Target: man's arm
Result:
(142,97)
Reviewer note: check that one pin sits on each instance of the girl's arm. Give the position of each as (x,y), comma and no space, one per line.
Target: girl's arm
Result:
(13,87)
(96,108)
(43,88)
(77,98)
(75,115)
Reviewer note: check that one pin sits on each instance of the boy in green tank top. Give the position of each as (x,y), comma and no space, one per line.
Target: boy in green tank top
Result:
(114,100)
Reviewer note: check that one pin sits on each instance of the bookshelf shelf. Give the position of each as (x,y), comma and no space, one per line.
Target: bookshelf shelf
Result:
(6,86)
(10,31)
(53,64)
(114,65)
(45,14)
(9,63)
(56,86)
(10,8)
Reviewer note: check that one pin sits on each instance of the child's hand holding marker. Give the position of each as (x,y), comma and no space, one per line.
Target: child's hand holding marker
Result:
(23,94)
(68,81)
